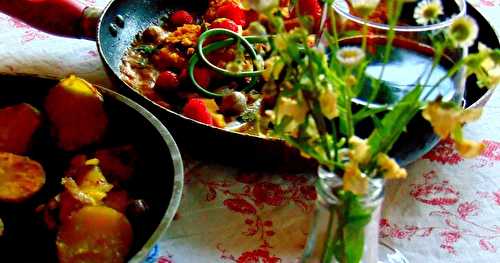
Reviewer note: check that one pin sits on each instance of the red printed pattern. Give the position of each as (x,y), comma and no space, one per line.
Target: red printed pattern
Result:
(248,194)
(445,153)
(29,33)
(458,217)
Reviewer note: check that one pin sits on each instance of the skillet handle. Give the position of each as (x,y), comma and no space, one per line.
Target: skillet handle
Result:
(68,18)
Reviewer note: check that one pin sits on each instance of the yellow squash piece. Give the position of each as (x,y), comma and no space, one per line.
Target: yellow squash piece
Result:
(94,234)
(20,177)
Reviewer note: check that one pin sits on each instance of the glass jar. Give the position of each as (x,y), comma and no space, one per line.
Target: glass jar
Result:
(411,58)
(326,221)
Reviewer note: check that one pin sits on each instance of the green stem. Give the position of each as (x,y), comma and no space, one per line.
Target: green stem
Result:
(333,24)
(245,43)
(364,31)
(335,146)
(348,108)
(450,73)
(388,47)
(435,62)
(215,46)
(334,236)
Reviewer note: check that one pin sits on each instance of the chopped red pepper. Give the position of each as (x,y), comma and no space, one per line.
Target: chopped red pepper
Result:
(196,109)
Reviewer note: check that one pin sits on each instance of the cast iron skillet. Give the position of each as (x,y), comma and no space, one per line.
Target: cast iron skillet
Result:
(114,36)
(159,179)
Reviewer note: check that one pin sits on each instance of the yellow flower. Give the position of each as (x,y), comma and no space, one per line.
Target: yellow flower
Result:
(272,68)
(292,108)
(281,42)
(360,150)
(328,103)
(468,148)
(445,120)
(491,67)
(390,168)
(354,180)
(463,31)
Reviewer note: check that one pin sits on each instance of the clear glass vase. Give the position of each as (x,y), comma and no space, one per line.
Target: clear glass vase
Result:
(411,57)
(326,222)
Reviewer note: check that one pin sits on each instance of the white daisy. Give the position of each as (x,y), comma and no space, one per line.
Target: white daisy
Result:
(428,12)
(364,7)
(350,56)
(463,31)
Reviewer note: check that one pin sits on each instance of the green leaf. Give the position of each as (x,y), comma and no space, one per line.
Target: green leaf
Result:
(358,216)
(394,122)
(146,49)
(365,113)
(353,218)
(376,122)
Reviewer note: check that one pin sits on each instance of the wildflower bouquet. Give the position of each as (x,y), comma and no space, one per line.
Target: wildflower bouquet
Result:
(310,99)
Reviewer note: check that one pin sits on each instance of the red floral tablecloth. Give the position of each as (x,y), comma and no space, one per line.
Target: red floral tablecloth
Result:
(447,210)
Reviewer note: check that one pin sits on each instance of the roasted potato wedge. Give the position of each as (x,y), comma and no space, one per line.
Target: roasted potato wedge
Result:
(76,111)
(94,234)
(20,177)
(17,125)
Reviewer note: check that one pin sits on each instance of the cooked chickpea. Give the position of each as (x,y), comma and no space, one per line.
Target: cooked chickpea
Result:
(234,103)
(153,34)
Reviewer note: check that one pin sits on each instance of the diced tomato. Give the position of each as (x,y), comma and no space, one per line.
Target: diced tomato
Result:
(167,81)
(292,23)
(225,23)
(181,17)
(310,8)
(203,76)
(196,109)
(251,16)
(284,3)
(183,75)
(232,11)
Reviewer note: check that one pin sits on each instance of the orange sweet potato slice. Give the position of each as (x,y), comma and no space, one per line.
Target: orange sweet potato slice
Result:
(20,177)
(17,125)
(94,234)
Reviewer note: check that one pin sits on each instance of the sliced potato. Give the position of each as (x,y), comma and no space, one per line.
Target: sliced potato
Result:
(17,125)
(94,234)
(76,111)
(20,177)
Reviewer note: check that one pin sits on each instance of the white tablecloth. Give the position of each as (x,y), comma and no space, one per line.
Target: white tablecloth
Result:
(448,210)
